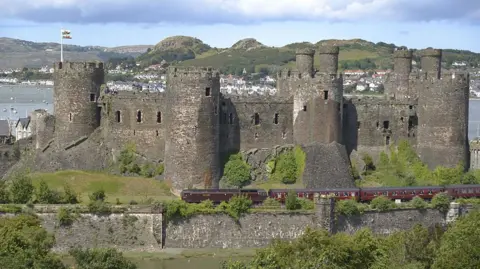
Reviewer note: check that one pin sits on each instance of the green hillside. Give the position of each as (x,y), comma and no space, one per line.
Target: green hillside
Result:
(256,57)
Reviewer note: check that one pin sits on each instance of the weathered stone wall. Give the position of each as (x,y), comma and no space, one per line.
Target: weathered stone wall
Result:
(389,222)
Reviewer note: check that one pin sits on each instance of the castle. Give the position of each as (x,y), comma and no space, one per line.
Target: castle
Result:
(192,127)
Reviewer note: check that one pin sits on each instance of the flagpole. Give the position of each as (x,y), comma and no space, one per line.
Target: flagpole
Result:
(61,45)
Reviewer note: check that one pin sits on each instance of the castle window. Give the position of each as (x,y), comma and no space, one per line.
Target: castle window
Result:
(386,124)
(410,107)
(257,119)
(305,108)
(256,136)
(284,135)
(156,132)
(275,120)
(92,97)
(231,118)
(223,104)
(358,125)
(387,140)
(70,116)
(139,116)
(325,95)
(378,124)
(401,119)
(133,132)
(345,105)
(159,117)
(207,91)
(117,116)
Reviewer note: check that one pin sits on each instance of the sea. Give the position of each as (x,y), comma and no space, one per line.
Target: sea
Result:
(17,101)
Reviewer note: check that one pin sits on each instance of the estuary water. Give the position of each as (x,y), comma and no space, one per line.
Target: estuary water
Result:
(19,100)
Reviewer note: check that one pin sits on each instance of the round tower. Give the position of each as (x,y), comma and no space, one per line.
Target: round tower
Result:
(402,61)
(443,120)
(431,62)
(304,60)
(75,93)
(328,58)
(192,128)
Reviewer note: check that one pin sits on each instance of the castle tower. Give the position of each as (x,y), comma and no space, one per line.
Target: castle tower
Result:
(431,62)
(442,114)
(192,131)
(304,60)
(43,127)
(317,102)
(76,89)
(328,56)
(397,84)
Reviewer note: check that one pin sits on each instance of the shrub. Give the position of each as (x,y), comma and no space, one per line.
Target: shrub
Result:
(4,197)
(285,168)
(419,203)
(347,207)
(21,189)
(441,201)
(100,259)
(238,205)
(305,204)
(382,203)
(69,196)
(99,207)
(291,201)
(97,196)
(271,202)
(45,195)
(237,171)
(65,216)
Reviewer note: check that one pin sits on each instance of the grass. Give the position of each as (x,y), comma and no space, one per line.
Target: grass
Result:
(125,189)
(274,185)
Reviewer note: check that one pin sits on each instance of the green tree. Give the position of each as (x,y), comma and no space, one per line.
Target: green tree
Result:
(237,171)
(45,195)
(459,247)
(25,244)
(100,259)
(21,189)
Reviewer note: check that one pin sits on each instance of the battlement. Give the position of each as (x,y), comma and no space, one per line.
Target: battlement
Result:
(257,98)
(430,52)
(328,50)
(192,72)
(288,73)
(134,95)
(403,53)
(78,66)
(305,51)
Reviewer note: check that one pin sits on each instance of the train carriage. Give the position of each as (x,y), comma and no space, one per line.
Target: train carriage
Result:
(400,193)
(221,195)
(340,194)
(463,191)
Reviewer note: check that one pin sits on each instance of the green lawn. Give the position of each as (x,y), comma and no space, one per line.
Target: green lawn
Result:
(125,189)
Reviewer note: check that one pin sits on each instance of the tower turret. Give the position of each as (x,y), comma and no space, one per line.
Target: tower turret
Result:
(192,131)
(397,84)
(431,61)
(304,60)
(76,89)
(402,61)
(328,58)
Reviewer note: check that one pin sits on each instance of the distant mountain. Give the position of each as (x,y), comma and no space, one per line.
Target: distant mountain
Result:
(248,54)
(16,53)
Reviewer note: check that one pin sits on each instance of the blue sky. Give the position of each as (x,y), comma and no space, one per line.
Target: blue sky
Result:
(220,23)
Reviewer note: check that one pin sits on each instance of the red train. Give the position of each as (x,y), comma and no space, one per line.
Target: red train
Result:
(359,194)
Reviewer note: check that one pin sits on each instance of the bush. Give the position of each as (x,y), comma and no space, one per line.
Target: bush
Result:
(99,207)
(305,204)
(419,203)
(347,207)
(98,196)
(4,196)
(21,189)
(238,205)
(237,171)
(65,216)
(271,202)
(69,196)
(291,201)
(45,195)
(100,259)
(441,201)
(381,203)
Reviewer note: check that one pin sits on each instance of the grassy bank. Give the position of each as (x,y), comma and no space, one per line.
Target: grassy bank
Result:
(182,258)
(125,189)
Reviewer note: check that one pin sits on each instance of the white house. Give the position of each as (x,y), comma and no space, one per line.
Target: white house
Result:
(22,128)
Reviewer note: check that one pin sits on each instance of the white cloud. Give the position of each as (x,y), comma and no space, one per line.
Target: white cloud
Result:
(237,11)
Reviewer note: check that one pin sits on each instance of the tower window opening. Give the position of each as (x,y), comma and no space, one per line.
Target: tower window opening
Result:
(387,140)
(117,116)
(156,132)
(230,120)
(304,108)
(275,120)
(70,116)
(92,97)
(207,91)
(358,125)
(133,132)
(378,124)
(401,119)
(215,110)
(410,107)
(325,95)
(159,117)
(139,116)
(256,136)
(386,124)
(284,135)
(257,119)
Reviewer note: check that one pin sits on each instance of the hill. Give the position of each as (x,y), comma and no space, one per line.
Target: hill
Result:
(16,53)
(256,57)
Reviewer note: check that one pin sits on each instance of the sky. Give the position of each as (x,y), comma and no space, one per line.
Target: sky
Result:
(220,23)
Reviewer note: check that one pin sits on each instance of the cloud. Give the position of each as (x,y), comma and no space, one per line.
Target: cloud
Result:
(237,11)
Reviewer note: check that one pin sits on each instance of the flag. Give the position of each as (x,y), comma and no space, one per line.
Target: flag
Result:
(66,34)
